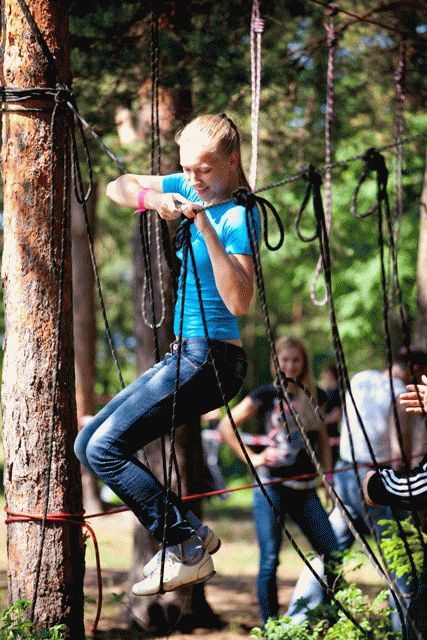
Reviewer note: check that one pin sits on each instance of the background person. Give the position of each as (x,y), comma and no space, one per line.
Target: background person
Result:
(373,399)
(295,498)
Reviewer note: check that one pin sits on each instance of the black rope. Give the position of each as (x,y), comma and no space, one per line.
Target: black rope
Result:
(51,73)
(250,200)
(376,162)
(252,236)
(343,374)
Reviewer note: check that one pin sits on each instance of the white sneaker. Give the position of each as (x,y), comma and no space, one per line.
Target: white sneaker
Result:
(176,574)
(210,541)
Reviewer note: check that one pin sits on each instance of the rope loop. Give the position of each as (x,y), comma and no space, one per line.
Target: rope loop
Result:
(373,161)
(244,198)
(314,180)
(249,200)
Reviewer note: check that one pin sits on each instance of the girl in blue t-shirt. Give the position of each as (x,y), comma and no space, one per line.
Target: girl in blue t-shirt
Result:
(212,170)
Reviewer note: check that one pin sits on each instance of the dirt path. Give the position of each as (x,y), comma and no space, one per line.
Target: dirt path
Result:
(233,599)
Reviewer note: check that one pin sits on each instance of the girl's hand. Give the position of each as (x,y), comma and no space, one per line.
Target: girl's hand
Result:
(411,399)
(169,206)
(197,212)
(268,457)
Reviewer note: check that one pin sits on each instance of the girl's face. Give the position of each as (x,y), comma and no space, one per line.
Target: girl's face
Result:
(291,362)
(212,174)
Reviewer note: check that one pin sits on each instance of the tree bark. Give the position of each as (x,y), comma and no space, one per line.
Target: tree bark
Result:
(420,332)
(84,326)
(31,292)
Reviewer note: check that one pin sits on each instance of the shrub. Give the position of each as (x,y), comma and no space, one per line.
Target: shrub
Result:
(15,626)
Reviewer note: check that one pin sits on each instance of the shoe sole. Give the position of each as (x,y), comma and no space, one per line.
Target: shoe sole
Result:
(187,584)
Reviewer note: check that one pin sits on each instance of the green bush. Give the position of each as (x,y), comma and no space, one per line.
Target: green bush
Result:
(327,622)
(15,626)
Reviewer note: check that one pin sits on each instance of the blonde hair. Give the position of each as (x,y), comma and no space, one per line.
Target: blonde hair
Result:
(308,418)
(223,136)
(306,375)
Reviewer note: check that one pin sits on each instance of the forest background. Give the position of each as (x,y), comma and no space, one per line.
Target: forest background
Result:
(205,56)
(205,67)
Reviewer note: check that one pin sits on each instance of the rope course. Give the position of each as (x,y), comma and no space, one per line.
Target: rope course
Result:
(59,98)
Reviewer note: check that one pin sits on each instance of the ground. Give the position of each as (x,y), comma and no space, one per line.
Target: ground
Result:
(231,593)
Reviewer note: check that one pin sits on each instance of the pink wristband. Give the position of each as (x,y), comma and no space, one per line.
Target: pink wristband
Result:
(141,203)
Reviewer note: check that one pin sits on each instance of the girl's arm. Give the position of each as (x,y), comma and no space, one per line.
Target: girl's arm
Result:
(125,189)
(242,412)
(325,452)
(233,273)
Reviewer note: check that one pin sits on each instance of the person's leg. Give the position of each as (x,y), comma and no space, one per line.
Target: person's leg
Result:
(145,414)
(308,590)
(269,534)
(307,512)
(86,433)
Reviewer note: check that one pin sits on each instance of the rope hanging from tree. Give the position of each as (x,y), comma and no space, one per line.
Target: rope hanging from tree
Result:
(332,43)
(257,28)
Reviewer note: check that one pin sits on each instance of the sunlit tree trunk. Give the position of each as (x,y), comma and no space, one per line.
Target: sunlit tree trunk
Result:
(84,324)
(31,290)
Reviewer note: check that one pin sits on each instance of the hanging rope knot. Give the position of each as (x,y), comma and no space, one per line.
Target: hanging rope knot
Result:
(373,161)
(331,9)
(314,180)
(244,197)
(63,94)
(310,174)
(258,25)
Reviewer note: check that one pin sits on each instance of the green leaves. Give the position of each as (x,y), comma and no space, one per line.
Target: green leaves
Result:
(16,627)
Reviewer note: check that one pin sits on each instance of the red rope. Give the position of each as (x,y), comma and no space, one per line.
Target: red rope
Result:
(81,519)
(73,518)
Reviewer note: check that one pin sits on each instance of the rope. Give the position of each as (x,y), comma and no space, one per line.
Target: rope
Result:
(359,18)
(257,28)
(332,41)
(254,244)
(399,79)
(343,374)
(59,274)
(62,518)
(155,170)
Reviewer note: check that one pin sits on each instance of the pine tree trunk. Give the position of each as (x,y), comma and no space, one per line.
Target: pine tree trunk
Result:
(84,325)
(31,289)
(420,334)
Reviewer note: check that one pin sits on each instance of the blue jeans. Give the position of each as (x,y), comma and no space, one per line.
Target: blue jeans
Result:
(307,586)
(142,412)
(305,509)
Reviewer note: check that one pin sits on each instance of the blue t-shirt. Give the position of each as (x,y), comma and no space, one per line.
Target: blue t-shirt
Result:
(228,220)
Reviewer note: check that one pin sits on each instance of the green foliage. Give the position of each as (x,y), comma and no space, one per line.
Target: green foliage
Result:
(394,550)
(329,623)
(15,626)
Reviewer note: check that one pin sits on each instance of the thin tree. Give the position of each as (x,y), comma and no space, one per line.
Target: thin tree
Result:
(84,325)
(41,472)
